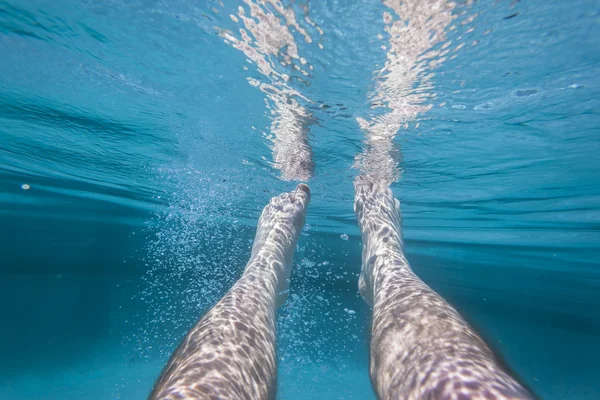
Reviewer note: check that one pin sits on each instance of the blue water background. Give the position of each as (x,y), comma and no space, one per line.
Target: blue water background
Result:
(139,135)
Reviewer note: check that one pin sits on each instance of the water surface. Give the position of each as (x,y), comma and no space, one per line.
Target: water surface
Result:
(150,134)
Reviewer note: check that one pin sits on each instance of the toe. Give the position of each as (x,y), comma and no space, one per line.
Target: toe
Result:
(304,188)
(302,192)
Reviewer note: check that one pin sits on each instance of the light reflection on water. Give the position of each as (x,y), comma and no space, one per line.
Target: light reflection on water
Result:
(139,135)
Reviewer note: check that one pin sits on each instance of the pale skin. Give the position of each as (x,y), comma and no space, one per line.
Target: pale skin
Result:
(421,348)
(230,352)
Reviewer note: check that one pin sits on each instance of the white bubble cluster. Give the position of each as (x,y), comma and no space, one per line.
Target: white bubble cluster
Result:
(197,252)
(311,329)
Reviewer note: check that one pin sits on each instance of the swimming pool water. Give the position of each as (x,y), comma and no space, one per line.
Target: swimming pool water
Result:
(139,141)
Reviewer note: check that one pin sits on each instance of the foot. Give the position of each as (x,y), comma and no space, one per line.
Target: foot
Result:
(378,215)
(277,233)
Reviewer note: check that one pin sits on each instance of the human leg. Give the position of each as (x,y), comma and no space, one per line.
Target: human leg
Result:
(421,348)
(230,352)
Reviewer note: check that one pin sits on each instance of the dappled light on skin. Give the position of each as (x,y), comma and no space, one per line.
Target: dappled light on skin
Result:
(230,352)
(421,347)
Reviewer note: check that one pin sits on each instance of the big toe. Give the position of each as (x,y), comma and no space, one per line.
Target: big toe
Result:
(302,191)
(301,195)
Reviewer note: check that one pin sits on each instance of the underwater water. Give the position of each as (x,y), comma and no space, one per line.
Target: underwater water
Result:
(139,141)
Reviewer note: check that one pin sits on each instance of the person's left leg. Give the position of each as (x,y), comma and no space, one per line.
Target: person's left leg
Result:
(230,352)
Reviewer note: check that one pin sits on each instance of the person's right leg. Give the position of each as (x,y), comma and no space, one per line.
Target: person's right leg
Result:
(421,348)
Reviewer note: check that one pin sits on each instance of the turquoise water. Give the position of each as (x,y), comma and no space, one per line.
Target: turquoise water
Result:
(139,141)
